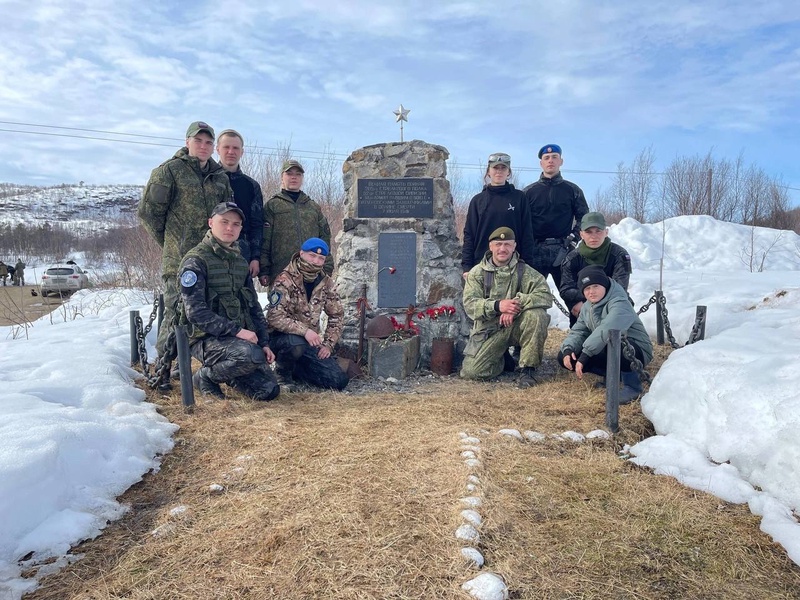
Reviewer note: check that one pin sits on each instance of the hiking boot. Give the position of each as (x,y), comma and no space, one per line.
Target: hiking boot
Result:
(631,387)
(257,386)
(526,377)
(208,387)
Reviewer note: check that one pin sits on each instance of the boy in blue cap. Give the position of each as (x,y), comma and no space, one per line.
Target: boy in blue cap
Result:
(300,294)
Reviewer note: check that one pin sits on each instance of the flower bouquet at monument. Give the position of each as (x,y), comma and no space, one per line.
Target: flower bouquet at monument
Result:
(441,319)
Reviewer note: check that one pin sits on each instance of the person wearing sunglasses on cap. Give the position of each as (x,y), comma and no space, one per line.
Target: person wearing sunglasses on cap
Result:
(175,208)
(499,204)
(556,207)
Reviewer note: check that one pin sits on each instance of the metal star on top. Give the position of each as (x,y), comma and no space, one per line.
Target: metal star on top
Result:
(401,114)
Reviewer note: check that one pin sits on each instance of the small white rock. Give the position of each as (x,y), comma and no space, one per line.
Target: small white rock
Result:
(163,530)
(471,440)
(486,586)
(178,511)
(472,463)
(472,502)
(474,479)
(216,488)
(574,436)
(472,517)
(473,556)
(244,457)
(468,454)
(511,433)
(471,487)
(391,380)
(475,449)
(463,434)
(598,434)
(534,436)
(468,533)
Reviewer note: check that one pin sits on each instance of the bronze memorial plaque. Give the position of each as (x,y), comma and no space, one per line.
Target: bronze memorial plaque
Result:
(397,251)
(405,197)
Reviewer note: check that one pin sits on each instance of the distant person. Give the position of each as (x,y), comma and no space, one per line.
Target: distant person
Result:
(19,272)
(499,204)
(246,193)
(290,218)
(3,272)
(597,249)
(508,302)
(607,307)
(556,206)
(228,333)
(300,294)
(176,206)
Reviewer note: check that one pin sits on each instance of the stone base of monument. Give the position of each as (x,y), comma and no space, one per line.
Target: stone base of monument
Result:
(393,358)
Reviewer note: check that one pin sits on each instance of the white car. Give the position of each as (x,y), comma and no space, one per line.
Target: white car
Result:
(63,279)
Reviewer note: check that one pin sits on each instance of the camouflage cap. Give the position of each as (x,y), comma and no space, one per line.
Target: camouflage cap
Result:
(225,207)
(290,164)
(502,233)
(199,126)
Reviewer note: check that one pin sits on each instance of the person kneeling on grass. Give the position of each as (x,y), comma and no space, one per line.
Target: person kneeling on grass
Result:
(227,329)
(508,301)
(607,307)
(300,294)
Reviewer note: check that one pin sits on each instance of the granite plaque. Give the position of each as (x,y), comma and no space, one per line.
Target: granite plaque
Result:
(406,197)
(398,289)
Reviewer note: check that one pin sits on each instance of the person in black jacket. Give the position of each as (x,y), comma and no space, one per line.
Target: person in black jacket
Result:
(499,204)
(556,206)
(595,249)
(246,194)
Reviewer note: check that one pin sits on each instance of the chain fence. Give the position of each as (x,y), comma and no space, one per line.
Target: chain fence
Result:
(157,375)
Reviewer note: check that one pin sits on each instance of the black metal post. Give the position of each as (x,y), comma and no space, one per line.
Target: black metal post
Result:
(185,368)
(701,317)
(134,315)
(659,319)
(612,379)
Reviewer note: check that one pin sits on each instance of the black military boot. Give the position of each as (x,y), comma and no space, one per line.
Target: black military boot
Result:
(205,385)
(631,387)
(526,378)
(259,385)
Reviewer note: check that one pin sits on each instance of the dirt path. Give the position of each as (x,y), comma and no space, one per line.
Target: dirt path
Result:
(18,304)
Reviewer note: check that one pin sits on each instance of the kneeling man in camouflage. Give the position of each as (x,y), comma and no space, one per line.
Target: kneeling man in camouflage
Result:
(227,329)
(508,302)
(299,296)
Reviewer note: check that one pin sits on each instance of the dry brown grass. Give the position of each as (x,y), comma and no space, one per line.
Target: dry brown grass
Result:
(339,496)
(18,306)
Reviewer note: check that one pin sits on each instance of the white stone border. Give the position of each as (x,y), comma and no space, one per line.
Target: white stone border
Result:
(487,585)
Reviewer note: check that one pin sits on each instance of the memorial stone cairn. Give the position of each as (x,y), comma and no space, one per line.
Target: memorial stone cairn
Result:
(398,238)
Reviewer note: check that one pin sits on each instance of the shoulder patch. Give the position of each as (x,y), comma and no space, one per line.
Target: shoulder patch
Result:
(188,279)
(274,298)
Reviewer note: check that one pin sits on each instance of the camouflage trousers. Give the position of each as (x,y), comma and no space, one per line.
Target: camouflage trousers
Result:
(295,356)
(171,297)
(238,363)
(483,355)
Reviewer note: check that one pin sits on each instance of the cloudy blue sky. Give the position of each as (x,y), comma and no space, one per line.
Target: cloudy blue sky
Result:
(602,79)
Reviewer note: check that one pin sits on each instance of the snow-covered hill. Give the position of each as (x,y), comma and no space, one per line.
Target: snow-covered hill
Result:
(76,207)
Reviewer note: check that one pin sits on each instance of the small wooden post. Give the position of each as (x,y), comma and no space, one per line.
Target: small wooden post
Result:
(185,368)
(612,379)
(134,316)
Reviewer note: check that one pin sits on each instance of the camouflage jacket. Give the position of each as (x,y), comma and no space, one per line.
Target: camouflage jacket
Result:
(532,291)
(218,294)
(177,203)
(287,224)
(291,312)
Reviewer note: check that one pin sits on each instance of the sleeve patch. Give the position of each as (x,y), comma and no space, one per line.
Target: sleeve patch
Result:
(188,279)
(274,298)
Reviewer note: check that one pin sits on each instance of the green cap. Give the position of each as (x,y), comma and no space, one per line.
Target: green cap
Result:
(199,126)
(593,219)
(502,233)
(292,163)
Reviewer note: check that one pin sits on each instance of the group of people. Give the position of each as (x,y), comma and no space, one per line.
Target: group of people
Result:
(16,273)
(513,240)
(217,234)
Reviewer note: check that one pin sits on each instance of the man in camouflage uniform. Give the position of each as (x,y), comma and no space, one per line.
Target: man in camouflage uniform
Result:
(19,272)
(508,302)
(228,332)
(176,206)
(290,218)
(301,292)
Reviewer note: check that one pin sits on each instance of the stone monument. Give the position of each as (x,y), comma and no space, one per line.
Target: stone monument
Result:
(398,238)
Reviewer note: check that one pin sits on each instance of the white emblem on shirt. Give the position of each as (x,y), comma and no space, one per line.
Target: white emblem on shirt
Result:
(510,206)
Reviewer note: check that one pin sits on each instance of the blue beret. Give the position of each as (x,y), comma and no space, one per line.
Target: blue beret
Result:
(549,149)
(315,245)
